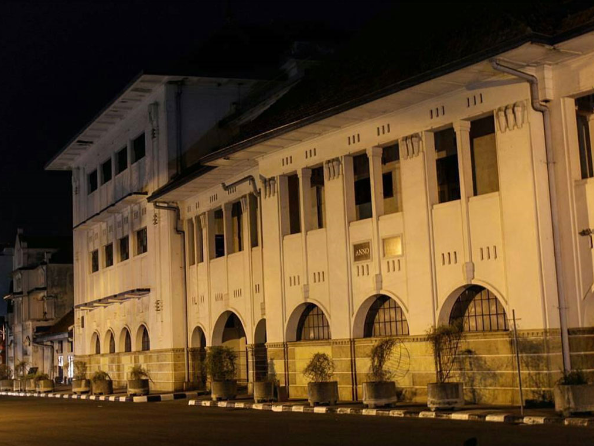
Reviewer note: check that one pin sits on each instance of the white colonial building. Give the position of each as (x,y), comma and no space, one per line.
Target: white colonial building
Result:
(464,193)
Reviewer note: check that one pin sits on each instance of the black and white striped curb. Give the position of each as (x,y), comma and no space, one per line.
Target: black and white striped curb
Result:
(398,413)
(112,398)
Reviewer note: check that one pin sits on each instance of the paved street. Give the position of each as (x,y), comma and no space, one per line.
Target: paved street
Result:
(36,421)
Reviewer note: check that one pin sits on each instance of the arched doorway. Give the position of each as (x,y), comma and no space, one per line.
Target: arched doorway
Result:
(143,340)
(385,318)
(260,353)
(110,342)
(125,343)
(229,332)
(478,309)
(95,344)
(197,356)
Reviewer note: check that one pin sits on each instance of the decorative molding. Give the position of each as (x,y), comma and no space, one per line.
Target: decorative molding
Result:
(332,169)
(511,117)
(411,146)
(269,187)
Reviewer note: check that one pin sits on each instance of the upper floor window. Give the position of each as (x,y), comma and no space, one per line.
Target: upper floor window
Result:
(219,234)
(294,204)
(199,241)
(391,179)
(138,148)
(108,254)
(362,187)
(141,241)
(237,227)
(318,214)
(191,242)
(483,155)
(121,160)
(124,248)
(95,261)
(585,125)
(254,218)
(106,171)
(92,181)
(446,163)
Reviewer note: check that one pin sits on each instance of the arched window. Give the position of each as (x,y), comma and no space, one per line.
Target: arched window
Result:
(313,324)
(385,318)
(479,310)
(96,344)
(146,342)
(127,341)
(111,343)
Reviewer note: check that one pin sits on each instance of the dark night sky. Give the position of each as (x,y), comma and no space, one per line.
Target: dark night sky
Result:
(61,62)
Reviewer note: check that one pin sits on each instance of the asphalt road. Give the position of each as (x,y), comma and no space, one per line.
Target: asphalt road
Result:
(37,422)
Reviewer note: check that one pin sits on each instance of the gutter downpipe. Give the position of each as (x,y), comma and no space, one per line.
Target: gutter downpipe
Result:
(175,208)
(249,178)
(539,106)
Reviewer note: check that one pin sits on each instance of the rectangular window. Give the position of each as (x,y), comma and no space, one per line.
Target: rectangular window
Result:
(391,179)
(237,227)
(95,261)
(392,246)
(138,148)
(122,160)
(108,255)
(446,163)
(191,242)
(141,241)
(318,214)
(483,154)
(92,181)
(82,322)
(362,187)
(124,248)
(106,171)
(219,233)
(294,205)
(585,125)
(199,241)
(254,227)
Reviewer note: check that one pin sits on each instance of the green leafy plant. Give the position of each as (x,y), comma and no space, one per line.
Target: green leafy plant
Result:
(221,363)
(380,354)
(100,375)
(41,377)
(5,372)
(80,370)
(573,378)
(20,368)
(445,343)
(320,368)
(139,372)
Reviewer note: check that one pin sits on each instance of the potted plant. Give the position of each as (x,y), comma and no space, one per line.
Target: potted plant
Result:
(138,384)
(380,390)
(221,366)
(43,383)
(445,342)
(20,370)
(319,371)
(80,383)
(101,383)
(573,394)
(265,390)
(6,382)
(30,383)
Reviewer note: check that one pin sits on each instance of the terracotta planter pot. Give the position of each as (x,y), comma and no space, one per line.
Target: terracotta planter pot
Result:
(80,386)
(378,394)
(444,396)
(30,385)
(223,390)
(103,387)
(7,385)
(138,387)
(322,393)
(264,391)
(45,385)
(574,399)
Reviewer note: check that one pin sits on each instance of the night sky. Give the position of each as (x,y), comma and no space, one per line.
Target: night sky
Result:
(61,62)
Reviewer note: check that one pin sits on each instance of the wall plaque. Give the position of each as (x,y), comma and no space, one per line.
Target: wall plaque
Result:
(362,252)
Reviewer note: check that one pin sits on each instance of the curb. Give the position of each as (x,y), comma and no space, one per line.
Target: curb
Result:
(506,418)
(109,398)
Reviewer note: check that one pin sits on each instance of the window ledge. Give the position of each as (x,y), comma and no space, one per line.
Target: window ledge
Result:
(484,196)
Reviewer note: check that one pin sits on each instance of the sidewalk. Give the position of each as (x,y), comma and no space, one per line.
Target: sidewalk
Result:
(501,414)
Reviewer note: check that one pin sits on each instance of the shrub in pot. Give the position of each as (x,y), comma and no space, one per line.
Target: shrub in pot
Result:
(138,382)
(30,382)
(319,371)
(6,381)
(380,390)
(43,383)
(445,343)
(573,394)
(20,371)
(101,383)
(266,389)
(80,383)
(221,366)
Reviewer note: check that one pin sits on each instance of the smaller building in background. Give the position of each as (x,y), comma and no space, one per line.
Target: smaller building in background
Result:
(38,304)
